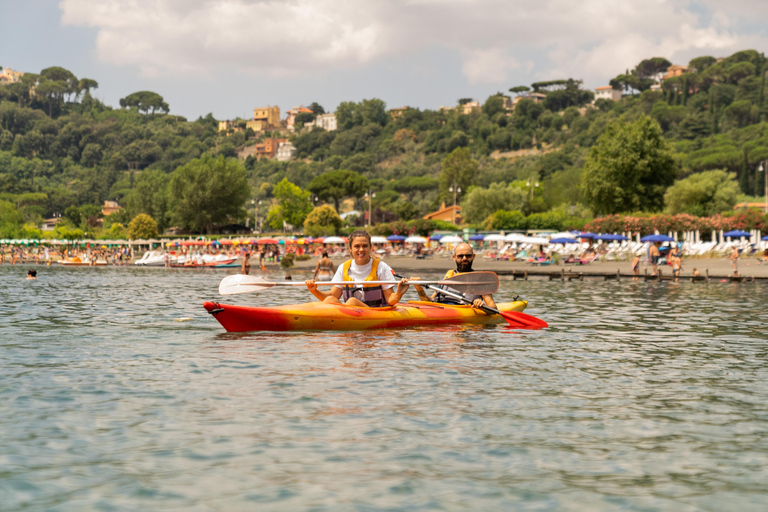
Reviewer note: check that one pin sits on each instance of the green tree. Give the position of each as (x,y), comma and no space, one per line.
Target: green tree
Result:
(293,205)
(629,168)
(208,190)
(322,221)
(705,193)
(142,227)
(336,185)
(480,203)
(145,101)
(520,89)
(150,195)
(459,170)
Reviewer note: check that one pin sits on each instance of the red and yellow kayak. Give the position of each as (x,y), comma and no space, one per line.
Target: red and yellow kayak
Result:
(319,316)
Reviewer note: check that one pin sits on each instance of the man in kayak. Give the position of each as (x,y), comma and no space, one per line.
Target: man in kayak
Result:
(463,256)
(362,267)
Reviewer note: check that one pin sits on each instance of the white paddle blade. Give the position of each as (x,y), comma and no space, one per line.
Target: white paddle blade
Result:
(474,283)
(241,283)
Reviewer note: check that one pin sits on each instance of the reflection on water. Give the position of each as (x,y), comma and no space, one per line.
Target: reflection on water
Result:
(641,396)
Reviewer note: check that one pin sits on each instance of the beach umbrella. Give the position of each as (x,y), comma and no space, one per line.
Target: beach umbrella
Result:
(436,237)
(611,238)
(765,238)
(414,239)
(266,241)
(564,234)
(396,238)
(563,241)
(587,235)
(378,240)
(451,239)
(477,238)
(657,238)
(515,237)
(334,240)
(535,240)
(736,234)
(494,238)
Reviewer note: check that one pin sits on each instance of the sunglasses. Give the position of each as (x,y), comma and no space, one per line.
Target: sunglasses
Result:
(464,256)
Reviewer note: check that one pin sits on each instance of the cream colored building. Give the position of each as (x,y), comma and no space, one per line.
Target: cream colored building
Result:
(270,116)
(325,121)
(285,152)
(607,93)
(9,76)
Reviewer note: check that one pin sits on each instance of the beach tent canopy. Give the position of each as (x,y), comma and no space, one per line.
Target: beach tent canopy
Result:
(396,238)
(334,240)
(415,240)
(436,237)
(563,241)
(657,238)
(611,238)
(451,239)
(586,235)
(378,240)
(494,238)
(477,238)
(737,234)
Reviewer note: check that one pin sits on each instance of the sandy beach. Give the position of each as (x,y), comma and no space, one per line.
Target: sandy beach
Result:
(717,267)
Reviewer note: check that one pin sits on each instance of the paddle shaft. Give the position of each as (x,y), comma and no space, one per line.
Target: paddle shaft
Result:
(351,283)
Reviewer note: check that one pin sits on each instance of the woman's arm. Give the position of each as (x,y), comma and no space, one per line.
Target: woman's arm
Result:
(393,298)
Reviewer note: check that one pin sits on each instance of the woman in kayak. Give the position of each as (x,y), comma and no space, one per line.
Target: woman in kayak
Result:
(362,267)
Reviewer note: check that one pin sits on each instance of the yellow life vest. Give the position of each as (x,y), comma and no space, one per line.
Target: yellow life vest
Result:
(371,295)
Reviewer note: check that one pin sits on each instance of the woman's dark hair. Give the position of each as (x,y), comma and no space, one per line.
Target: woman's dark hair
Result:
(357,234)
(325,254)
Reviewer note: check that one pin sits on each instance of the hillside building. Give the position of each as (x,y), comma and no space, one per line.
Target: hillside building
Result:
(290,120)
(607,93)
(285,152)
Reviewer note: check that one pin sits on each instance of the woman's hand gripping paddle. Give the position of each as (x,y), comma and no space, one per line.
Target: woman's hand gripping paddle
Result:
(513,318)
(476,283)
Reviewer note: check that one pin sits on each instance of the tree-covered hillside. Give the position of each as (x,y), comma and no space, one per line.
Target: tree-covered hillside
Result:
(62,151)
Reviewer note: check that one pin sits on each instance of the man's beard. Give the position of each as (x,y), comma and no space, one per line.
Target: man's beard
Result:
(464,265)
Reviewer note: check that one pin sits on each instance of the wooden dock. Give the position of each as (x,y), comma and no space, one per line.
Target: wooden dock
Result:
(569,275)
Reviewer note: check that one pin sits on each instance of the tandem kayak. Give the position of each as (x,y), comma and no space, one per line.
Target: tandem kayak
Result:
(319,316)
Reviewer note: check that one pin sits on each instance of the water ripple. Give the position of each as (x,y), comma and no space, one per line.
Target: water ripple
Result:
(641,396)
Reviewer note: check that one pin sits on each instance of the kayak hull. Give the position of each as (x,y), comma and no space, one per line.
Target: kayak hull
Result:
(319,316)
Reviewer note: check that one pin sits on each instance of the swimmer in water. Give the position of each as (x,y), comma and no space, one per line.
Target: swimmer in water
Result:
(32,274)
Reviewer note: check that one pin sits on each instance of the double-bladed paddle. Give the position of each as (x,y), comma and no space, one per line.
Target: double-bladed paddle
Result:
(513,318)
(476,283)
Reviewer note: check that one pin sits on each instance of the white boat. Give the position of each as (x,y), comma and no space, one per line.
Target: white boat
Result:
(154,259)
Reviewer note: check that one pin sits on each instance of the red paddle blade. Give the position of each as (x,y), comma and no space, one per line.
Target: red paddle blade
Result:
(517,319)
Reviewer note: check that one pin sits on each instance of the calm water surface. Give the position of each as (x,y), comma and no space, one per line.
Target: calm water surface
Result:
(639,397)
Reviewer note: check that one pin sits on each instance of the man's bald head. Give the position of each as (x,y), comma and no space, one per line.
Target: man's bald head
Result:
(463,248)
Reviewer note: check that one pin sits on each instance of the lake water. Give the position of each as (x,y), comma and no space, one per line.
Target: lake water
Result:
(641,396)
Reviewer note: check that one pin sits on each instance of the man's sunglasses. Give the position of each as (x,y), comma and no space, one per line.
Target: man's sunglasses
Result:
(464,256)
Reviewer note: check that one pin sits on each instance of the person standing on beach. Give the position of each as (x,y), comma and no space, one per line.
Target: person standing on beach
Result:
(734,257)
(245,268)
(636,267)
(655,254)
(677,264)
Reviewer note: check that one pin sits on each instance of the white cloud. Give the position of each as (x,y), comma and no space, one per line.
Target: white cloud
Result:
(590,39)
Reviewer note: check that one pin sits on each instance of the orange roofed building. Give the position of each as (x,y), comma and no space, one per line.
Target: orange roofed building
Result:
(446,213)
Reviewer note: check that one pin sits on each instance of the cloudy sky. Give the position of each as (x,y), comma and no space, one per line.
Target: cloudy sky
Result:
(228,56)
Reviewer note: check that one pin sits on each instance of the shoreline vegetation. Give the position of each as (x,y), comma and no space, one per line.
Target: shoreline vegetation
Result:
(676,149)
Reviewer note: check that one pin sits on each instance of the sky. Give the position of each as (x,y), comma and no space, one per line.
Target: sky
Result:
(226,57)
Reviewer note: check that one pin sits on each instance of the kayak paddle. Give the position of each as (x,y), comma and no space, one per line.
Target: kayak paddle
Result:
(513,318)
(477,283)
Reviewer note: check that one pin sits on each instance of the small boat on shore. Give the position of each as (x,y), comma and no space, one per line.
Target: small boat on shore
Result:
(321,316)
(77,262)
